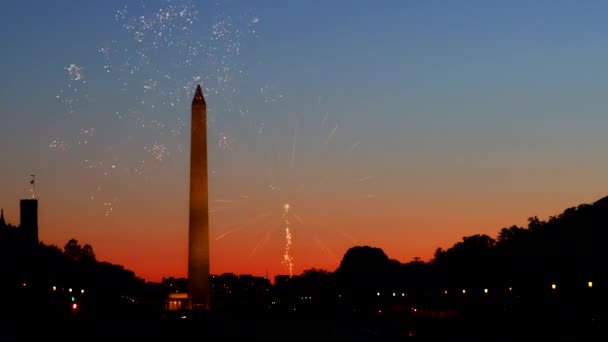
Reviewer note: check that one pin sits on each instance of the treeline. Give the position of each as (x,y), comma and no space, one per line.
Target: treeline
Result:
(46,279)
(557,262)
(560,260)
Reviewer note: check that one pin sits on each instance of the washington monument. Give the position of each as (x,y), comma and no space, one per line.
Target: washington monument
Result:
(198,245)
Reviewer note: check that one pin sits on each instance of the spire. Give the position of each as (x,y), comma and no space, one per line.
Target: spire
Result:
(198,96)
(2,222)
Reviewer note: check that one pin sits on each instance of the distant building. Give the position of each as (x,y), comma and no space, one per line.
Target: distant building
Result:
(177,293)
(227,290)
(29,219)
(2,222)
(3,225)
(9,234)
(176,301)
(26,235)
(19,245)
(281,279)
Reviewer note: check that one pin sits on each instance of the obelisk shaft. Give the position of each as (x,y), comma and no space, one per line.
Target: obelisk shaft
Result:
(198,248)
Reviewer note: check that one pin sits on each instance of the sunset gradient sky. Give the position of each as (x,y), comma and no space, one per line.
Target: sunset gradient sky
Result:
(403,125)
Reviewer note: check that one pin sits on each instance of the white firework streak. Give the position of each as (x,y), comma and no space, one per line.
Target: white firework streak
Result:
(261,242)
(353,147)
(323,246)
(331,134)
(298,218)
(363,179)
(287,258)
(238,227)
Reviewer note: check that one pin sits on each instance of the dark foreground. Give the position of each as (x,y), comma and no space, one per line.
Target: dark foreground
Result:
(270,325)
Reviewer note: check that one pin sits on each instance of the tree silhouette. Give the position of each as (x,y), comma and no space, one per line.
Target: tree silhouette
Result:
(87,252)
(72,250)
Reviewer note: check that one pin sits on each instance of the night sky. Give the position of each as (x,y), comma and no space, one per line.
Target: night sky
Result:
(403,125)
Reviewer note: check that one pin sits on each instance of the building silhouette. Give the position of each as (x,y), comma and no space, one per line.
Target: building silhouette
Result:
(2,221)
(29,220)
(227,291)
(19,246)
(26,234)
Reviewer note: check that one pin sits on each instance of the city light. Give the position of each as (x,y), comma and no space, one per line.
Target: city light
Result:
(590,284)
(485,290)
(54,288)
(74,306)
(82,291)
(70,289)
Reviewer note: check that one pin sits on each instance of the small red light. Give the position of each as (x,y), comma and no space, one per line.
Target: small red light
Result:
(74,306)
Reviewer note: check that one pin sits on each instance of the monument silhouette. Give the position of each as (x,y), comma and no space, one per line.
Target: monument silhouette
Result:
(198,240)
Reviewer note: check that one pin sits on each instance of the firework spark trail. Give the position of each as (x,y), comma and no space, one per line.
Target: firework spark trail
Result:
(366,178)
(331,134)
(260,243)
(215,210)
(348,236)
(155,89)
(227,204)
(353,147)
(298,218)
(323,246)
(241,226)
(287,258)
(223,201)
(324,120)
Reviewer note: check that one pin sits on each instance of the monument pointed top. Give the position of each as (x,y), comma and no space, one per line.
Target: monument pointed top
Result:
(198,96)
(2,222)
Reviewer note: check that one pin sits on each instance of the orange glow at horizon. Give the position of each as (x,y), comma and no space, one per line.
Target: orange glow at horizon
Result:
(259,244)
